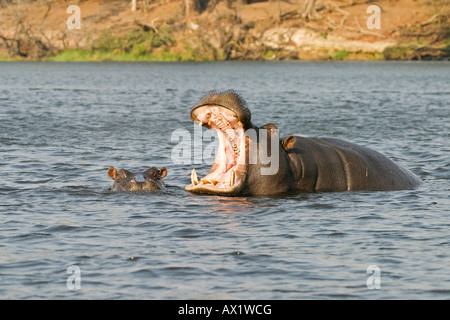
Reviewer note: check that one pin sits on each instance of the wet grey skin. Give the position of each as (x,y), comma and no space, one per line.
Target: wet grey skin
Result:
(304,164)
(148,180)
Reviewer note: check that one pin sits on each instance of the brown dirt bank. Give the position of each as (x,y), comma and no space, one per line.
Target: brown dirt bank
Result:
(231,30)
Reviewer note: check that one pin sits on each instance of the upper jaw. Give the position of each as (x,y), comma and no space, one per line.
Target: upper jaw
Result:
(228,101)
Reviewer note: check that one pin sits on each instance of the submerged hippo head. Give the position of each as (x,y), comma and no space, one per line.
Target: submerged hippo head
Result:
(150,179)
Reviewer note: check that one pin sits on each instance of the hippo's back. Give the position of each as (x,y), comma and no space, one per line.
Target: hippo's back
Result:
(329,164)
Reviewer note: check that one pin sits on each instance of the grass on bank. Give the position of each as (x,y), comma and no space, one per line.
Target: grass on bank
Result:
(93,55)
(8,58)
(136,45)
(341,55)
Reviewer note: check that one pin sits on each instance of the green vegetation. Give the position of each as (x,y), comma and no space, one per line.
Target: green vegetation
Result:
(136,42)
(376,56)
(399,52)
(417,52)
(89,55)
(139,45)
(136,45)
(267,55)
(6,58)
(341,55)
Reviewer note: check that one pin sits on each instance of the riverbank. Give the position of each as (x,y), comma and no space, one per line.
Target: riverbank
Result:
(163,30)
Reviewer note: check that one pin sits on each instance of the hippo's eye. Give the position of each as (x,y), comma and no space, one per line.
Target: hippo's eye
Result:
(151,173)
(122,173)
(151,176)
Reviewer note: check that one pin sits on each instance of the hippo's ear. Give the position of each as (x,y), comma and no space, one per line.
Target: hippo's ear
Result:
(163,172)
(269,126)
(271,130)
(112,173)
(289,143)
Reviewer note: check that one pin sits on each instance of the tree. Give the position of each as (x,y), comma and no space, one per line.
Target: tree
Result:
(187,4)
(309,11)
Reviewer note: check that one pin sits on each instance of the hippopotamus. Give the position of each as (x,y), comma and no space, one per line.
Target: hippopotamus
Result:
(254,160)
(149,180)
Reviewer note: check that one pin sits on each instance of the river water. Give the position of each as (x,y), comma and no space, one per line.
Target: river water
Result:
(64,235)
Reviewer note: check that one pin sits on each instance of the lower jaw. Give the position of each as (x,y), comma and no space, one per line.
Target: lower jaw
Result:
(211,189)
(219,182)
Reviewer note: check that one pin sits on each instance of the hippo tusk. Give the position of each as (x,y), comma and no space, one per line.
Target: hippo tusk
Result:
(232,178)
(194,178)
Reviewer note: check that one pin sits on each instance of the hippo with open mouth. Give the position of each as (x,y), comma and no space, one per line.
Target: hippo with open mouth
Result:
(255,161)
(149,180)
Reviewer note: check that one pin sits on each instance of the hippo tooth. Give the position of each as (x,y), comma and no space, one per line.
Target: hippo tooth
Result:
(194,178)
(232,178)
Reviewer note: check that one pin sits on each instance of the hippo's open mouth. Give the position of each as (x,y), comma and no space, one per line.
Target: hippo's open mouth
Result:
(228,173)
